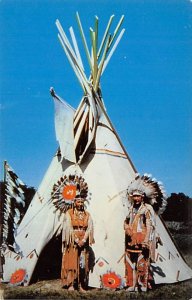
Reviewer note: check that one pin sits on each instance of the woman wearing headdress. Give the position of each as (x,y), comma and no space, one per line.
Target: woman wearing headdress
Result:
(69,196)
(76,238)
(146,197)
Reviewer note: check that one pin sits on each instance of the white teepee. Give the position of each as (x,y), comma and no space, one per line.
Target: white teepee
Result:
(89,148)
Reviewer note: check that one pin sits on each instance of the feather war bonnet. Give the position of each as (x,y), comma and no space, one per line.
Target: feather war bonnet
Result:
(152,190)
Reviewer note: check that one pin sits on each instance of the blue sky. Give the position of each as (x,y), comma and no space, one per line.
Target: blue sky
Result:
(147,86)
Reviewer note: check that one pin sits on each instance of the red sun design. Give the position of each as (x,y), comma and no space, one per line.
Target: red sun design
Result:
(18,276)
(111,280)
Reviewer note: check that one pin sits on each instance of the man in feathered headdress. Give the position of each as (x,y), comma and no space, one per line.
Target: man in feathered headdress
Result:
(140,237)
(77,236)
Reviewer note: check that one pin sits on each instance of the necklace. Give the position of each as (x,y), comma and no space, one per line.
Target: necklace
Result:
(79,214)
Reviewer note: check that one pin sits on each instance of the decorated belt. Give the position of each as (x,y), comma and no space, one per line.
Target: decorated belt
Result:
(134,251)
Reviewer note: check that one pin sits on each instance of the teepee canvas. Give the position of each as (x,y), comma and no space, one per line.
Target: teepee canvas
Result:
(89,150)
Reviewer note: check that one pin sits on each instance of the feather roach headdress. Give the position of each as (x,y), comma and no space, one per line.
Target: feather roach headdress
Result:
(151,189)
(67,189)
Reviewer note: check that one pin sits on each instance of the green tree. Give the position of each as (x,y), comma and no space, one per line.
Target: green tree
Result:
(179,208)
